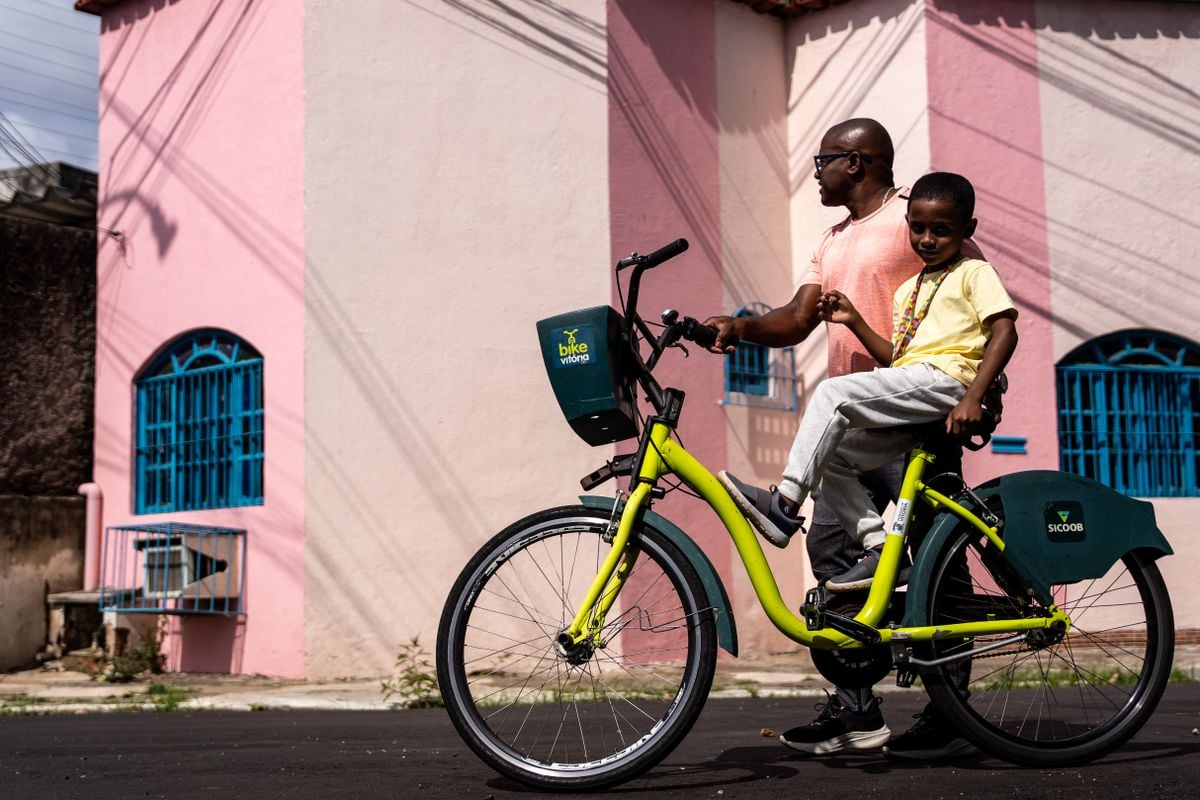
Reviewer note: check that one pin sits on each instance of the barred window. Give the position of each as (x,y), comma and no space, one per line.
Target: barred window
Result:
(760,376)
(1128,413)
(200,426)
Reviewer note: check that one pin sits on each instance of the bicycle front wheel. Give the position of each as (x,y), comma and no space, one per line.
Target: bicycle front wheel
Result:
(1054,699)
(603,712)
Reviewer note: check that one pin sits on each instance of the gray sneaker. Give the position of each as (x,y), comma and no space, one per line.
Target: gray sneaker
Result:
(858,577)
(764,509)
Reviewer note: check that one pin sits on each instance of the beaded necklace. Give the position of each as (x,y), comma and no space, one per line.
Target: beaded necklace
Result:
(909,321)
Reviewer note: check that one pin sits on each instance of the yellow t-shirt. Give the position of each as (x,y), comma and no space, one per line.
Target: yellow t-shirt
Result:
(952,337)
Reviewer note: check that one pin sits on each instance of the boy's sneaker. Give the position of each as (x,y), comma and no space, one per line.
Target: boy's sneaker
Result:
(838,728)
(858,577)
(764,509)
(930,737)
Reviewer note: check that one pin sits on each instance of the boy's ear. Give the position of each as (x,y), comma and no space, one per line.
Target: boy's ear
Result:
(970,229)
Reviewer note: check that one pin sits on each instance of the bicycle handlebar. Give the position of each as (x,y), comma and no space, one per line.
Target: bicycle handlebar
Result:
(664,253)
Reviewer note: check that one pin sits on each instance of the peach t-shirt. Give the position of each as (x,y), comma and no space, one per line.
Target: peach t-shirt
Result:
(866,259)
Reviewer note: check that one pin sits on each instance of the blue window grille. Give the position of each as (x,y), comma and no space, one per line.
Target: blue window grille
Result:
(760,376)
(172,568)
(1129,412)
(200,426)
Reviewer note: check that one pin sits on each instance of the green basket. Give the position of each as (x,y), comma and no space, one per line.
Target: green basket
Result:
(583,351)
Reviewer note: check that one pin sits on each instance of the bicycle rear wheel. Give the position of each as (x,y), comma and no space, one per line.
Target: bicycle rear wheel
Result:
(1055,699)
(596,716)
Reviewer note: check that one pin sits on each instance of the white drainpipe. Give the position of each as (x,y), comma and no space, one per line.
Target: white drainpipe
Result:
(91,548)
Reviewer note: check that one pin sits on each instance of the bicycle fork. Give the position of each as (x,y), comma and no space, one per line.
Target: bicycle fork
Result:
(583,633)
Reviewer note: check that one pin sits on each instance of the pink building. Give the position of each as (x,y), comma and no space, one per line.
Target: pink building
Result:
(362,208)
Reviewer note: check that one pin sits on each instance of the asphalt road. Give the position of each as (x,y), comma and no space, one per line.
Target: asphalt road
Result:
(311,755)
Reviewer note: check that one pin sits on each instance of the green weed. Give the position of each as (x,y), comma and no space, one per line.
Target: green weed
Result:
(415,684)
(166,697)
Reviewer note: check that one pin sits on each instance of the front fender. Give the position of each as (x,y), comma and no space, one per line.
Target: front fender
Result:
(1058,528)
(713,587)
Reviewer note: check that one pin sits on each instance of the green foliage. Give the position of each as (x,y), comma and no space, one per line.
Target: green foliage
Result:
(146,657)
(166,697)
(415,684)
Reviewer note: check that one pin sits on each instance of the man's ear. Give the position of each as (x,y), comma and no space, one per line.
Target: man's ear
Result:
(970,229)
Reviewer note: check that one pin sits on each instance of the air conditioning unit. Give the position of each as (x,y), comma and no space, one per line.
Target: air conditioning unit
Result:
(173,568)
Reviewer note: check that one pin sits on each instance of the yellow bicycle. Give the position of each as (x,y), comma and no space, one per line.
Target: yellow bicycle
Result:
(578,646)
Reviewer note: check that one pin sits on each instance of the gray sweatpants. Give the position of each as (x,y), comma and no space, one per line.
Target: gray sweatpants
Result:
(849,427)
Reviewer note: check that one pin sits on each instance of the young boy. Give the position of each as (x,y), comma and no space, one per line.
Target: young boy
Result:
(953,331)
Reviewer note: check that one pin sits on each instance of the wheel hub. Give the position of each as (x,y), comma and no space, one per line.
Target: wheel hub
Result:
(574,653)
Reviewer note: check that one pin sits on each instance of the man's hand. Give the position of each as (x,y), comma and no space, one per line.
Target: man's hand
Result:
(729,333)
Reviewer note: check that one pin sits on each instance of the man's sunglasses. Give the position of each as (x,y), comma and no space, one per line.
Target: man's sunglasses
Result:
(821,159)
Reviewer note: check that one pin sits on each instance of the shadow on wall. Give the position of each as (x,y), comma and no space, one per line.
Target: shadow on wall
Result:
(131,12)
(688,24)
(1145,20)
(1107,80)
(154,149)
(535,30)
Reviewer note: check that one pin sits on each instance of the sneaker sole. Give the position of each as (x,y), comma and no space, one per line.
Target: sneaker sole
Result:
(752,514)
(855,586)
(858,740)
(955,749)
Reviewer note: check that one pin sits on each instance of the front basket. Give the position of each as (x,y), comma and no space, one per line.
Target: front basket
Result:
(583,351)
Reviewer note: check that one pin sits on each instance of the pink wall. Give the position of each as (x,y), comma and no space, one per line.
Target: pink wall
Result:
(984,123)
(201,130)
(663,184)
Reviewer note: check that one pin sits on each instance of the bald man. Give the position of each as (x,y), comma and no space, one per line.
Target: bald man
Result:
(867,256)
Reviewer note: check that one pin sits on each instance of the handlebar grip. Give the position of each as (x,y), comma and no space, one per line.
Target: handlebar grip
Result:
(667,251)
(985,433)
(695,331)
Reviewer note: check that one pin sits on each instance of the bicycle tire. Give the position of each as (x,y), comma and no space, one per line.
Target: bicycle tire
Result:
(536,716)
(1064,700)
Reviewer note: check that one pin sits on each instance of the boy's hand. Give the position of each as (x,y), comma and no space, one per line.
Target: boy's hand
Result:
(833,306)
(728,334)
(966,417)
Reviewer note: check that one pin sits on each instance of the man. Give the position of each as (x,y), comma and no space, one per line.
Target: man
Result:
(867,256)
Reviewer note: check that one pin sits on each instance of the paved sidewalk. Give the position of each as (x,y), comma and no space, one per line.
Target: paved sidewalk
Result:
(51,689)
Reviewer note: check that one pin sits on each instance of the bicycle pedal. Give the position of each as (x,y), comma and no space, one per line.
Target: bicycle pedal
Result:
(814,608)
(906,673)
(905,676)
(864,634)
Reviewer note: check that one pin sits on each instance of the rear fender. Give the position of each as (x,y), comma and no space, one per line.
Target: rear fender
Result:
(1058,528)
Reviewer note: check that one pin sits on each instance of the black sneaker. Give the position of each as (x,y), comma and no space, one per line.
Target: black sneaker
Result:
(930,737)
(764,509)
(858,577)
(838,728)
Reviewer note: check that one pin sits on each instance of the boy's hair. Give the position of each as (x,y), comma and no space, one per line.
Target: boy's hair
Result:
(949,187)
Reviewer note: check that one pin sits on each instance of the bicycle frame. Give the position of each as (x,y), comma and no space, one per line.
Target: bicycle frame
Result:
(663,455)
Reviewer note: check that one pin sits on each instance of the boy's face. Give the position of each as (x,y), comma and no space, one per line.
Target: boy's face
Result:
(936,230)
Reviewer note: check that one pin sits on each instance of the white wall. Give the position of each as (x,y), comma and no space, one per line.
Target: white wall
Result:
(456,192)
(1119,134)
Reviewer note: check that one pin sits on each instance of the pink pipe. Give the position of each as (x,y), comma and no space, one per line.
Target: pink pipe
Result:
(91,548)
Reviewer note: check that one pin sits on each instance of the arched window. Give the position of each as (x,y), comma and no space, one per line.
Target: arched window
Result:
(759,376)
(1129,412)
(200,425)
